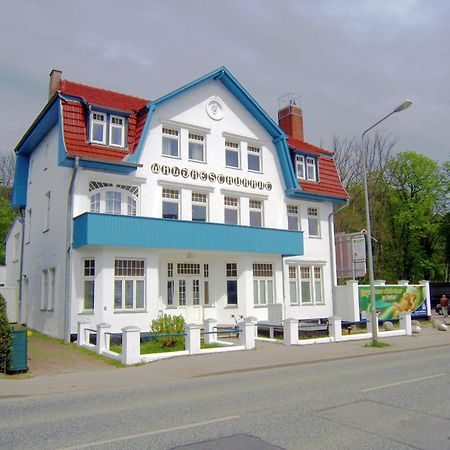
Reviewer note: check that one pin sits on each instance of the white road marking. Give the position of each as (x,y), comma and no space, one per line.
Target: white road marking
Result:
(152,433)
(412,380)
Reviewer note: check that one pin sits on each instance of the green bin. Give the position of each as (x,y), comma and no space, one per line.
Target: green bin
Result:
(19,351)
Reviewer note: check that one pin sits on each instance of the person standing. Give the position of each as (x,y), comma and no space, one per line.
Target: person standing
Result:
(444,303)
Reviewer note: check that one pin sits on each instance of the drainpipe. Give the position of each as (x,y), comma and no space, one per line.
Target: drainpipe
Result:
(68,274)
(22,246)
(332,244)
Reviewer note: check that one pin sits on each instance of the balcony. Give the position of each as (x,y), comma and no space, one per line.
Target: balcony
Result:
(148,232)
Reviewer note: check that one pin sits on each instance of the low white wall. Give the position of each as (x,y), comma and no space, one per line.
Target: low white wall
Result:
(346,301)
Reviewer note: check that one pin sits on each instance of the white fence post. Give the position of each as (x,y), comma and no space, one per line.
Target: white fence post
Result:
(102,343)
(405,323)
(192,343)
(81,338)
(131,346)
(335,325)
(210,336)
(247,333)
(290,331)
(369,323)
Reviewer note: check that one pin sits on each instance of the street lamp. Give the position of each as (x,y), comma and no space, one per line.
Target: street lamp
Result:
(406,104)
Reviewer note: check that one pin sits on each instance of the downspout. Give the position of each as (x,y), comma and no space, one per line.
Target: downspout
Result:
(68,274)
(332,244)
(22,247)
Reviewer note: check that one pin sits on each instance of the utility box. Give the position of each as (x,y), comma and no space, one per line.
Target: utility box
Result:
(19,351)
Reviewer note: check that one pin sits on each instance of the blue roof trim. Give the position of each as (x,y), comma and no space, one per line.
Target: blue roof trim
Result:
(229,81)
(19,193)
(314,197)
(136,156)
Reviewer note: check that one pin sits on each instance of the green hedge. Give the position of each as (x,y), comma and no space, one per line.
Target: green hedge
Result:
(5,337)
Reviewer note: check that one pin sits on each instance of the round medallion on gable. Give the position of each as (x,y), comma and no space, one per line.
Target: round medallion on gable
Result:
(215,108)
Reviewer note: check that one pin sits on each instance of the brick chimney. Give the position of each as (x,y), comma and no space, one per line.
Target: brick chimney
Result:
(290,119)
(54,83)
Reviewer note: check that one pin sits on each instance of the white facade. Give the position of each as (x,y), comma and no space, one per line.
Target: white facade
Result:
(124,286)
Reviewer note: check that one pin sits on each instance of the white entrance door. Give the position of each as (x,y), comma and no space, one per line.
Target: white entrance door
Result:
(190,299)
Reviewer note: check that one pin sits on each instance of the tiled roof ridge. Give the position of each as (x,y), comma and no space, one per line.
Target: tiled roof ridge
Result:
(65,82)
(298,143)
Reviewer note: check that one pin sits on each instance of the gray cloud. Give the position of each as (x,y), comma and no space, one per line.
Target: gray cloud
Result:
(351,61)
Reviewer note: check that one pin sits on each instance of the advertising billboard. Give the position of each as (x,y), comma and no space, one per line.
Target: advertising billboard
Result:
(393,300)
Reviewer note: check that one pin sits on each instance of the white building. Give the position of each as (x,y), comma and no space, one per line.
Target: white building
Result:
(196,203)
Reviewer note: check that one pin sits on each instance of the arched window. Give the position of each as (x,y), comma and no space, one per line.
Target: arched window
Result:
(112,198)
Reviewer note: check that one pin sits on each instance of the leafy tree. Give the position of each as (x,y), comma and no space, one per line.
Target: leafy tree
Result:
(417,190)
(5,337)
(7,216)
(7,168)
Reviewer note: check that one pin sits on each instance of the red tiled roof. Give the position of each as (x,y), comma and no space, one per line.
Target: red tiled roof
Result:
(329,183)
(75,120)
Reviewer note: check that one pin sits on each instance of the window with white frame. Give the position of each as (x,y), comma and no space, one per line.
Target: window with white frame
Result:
(300,166)
(188,269)
(28,227)
(313,222)
(182,293)
(196,147)
(293,218)
(170,203)
(98,128)
(112,198)
(231,210)
(311,169)
(48,289)
(232,284)
(293,284)
(117,131)
(254,158)
(16,247)
(107,129)
(171,142)
(170,285)
(256,213)
(129,284)
(205,284)
(199,207)
(88,284)
(262,284)
(232,155)
(306,285)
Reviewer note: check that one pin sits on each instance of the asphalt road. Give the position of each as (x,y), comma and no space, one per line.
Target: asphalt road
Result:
(391,401)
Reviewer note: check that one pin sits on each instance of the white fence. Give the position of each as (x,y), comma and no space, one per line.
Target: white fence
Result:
(131,349)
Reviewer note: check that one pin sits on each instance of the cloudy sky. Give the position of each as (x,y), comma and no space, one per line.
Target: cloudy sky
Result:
(351,61)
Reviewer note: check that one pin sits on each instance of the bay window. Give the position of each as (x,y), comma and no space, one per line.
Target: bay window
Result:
(306,285)
(262,284)
(113,199)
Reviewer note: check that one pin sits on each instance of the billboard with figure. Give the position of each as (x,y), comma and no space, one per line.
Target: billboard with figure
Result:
(393,300)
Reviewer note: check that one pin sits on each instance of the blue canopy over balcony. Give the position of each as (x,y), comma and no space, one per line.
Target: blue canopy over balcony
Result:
(148,232)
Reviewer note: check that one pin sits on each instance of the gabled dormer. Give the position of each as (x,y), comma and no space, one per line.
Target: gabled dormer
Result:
(314,167)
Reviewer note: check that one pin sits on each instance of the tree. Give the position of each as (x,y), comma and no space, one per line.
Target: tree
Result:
(7,168)
(7,216)
(417,190)
(5,337)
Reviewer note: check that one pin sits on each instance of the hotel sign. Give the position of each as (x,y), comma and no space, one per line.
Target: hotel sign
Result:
(212,177)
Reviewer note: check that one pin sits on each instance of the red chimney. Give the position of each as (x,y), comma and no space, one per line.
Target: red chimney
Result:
(54,83)
(290,119)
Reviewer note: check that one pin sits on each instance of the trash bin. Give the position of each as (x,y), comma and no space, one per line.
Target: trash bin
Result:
(19,351)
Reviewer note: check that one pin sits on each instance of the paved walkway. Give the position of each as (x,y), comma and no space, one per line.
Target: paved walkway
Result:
(266,356)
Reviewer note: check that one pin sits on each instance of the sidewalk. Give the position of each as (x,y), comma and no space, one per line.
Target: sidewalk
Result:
(266,356)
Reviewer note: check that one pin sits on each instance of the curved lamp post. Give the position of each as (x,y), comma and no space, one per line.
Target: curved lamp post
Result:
(406,104)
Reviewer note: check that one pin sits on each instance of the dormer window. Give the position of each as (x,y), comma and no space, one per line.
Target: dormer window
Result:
(107,129)
(300,166)
(305,168)
(311,169)
(98,128)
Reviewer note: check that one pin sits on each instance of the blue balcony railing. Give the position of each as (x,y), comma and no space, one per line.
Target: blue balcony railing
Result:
(148,232)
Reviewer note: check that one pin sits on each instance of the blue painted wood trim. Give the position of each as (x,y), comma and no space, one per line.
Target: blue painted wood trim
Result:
(136,156)
(314,197)
(19,193)
(146,232)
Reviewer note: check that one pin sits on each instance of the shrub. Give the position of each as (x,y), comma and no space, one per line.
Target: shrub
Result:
(5,337)
(166,324)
